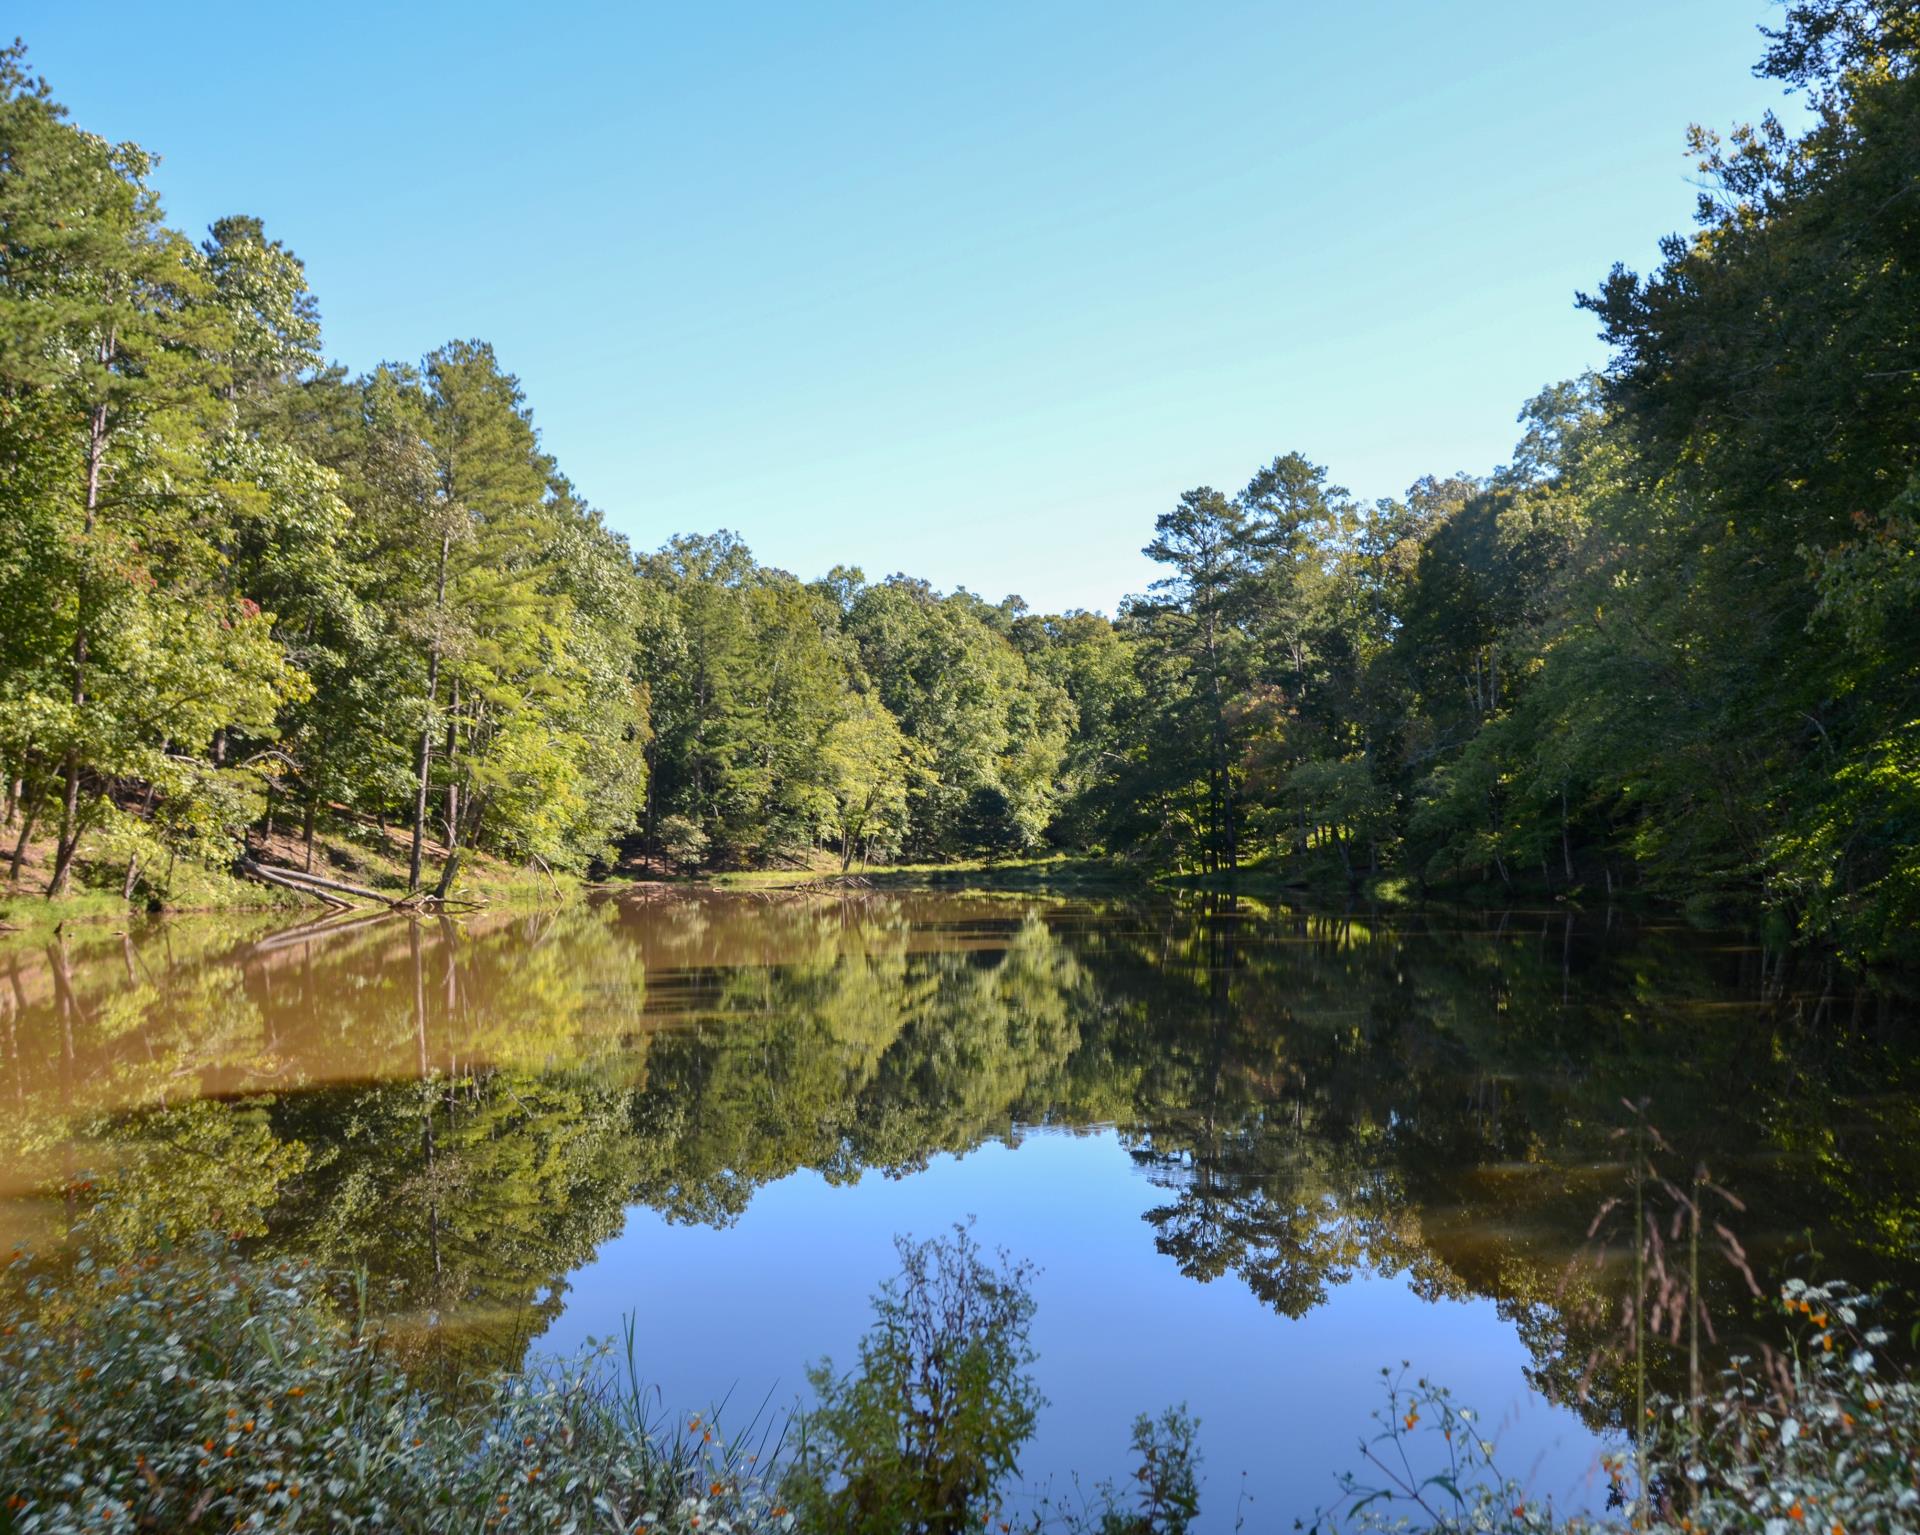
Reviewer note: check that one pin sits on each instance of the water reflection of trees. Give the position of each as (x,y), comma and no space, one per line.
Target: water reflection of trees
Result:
(466,1113)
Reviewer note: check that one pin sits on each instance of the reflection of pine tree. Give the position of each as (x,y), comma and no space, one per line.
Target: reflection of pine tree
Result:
(467,1114)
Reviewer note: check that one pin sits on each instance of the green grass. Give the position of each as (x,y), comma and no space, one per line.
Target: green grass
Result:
(351,852)
(1052,870)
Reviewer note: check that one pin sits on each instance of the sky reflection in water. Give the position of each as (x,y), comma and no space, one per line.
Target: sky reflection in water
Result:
(1280,1150)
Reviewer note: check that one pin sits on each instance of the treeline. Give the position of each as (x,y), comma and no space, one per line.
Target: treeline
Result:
(1674,643)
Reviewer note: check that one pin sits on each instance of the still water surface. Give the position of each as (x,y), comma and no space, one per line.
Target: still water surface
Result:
(1256,1153)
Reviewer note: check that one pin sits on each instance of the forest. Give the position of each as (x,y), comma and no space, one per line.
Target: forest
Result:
(1672,646)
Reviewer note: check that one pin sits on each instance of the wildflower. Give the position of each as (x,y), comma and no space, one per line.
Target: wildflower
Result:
(1412,1418)
(1797,1513)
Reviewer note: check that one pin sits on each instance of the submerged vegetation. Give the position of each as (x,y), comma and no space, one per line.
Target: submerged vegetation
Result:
(1671,644)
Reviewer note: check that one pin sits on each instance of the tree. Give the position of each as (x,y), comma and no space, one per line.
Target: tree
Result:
(1195,626)
(114,355)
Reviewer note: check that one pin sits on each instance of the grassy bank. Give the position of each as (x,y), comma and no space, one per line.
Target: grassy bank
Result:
(1054,871)
(353,852)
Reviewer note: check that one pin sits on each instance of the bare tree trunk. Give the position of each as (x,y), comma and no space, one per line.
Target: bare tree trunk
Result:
(1566,847)
(453,789)
(426,725)
(447,871)
(20,843)
(312,802)
(68,841)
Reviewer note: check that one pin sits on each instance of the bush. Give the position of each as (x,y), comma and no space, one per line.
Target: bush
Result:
(1815,1440)
(922,1436)
(205,1392)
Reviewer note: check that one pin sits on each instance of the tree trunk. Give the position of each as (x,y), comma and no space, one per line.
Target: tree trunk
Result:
(31,814)
(68,840)
(1566,847)
(312,802)
(453,789)
(426,725)
(294,878)
(447,871)
(288,881)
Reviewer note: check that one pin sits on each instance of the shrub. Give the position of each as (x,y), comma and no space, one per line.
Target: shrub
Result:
(205,1392)
(922,1436)
(1815,1440)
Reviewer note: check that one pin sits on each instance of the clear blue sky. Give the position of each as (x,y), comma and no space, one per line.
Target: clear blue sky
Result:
(969,290)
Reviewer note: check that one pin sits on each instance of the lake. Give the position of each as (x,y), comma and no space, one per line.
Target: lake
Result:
(1257,1153)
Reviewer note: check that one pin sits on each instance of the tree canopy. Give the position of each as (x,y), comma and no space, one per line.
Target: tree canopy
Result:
(1671,644)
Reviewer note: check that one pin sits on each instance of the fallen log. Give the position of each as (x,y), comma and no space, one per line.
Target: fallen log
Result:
(301,877)
(268,876)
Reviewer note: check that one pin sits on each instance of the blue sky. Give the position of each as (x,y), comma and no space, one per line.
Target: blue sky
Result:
(970,290)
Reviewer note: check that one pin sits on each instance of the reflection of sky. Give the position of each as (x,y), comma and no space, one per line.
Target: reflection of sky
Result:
(1119,1329)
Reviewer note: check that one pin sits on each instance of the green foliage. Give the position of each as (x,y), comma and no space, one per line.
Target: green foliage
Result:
(1165,1496)
(1670,645)
(1821,1438)
(924,1434)
(202,1391)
